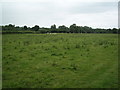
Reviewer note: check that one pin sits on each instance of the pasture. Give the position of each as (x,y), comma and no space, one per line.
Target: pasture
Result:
(60,60)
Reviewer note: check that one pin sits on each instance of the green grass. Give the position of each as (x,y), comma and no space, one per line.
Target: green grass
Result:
(60,61)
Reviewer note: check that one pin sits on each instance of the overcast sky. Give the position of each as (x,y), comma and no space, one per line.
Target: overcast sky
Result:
(93,13)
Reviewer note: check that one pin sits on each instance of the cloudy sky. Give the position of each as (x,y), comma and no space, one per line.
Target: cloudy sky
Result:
(93,13)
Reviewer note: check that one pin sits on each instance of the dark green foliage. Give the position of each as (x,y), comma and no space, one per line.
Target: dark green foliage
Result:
(53,29)
(63,29)
(73,28)
(35,28)
(25,27)
(8,29)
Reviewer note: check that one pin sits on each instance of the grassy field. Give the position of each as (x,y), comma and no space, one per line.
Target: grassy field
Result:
(60,60)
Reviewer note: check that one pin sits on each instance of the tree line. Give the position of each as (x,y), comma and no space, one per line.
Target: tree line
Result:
(53,29)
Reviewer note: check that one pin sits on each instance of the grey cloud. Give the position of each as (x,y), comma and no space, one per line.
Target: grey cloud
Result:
(48,13)
(96,7)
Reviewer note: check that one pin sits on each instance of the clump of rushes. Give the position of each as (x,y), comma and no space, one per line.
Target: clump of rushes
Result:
(77,46)
(67,47)
(73,67)
(54,64)
(54,47)
(26,43)
(53,54)
(87,50)
(15,47)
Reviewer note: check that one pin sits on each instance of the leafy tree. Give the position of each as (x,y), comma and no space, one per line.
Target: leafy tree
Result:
(114,30)
(119,31)
(36,28)
(63,29)
(87,29)
(53,29)
(25,27)
(9,27)
(43,31)
(73,28)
